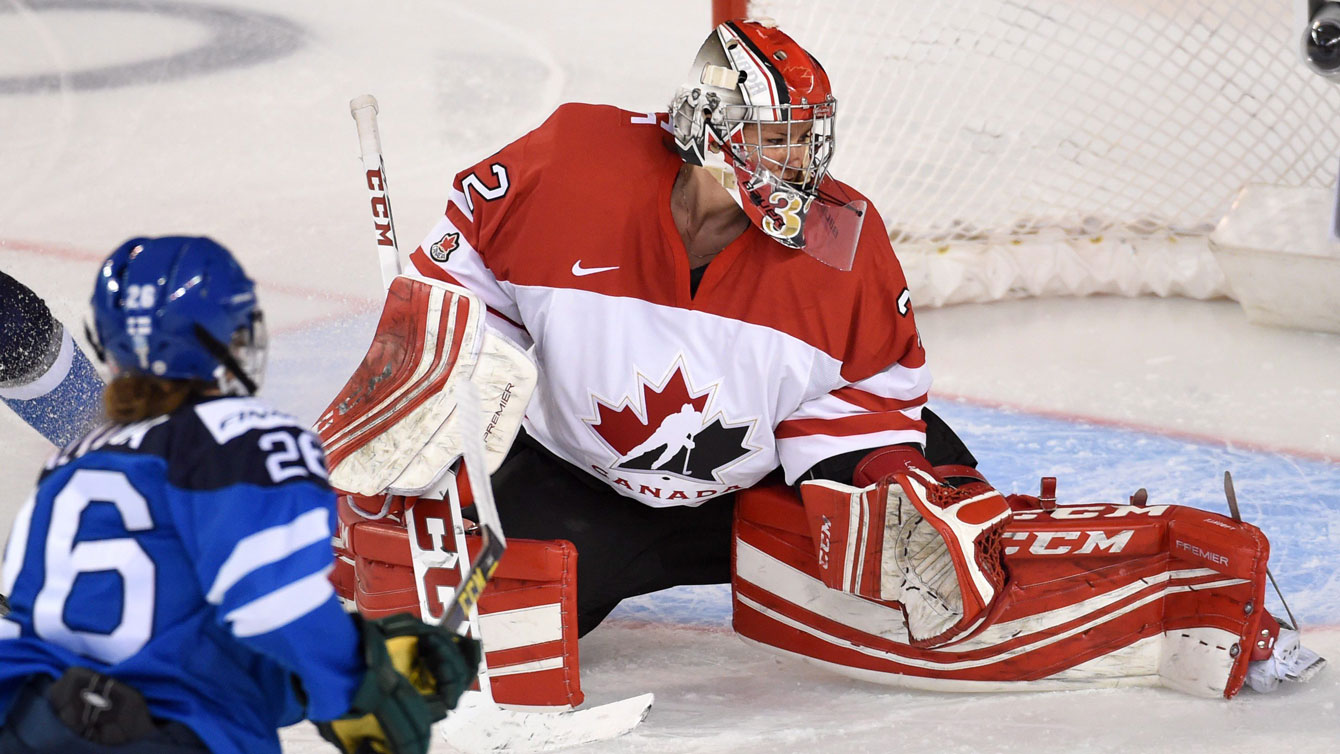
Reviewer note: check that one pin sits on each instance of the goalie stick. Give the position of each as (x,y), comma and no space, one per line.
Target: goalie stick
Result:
(1233,511)
(476,575)
(1289,659)
(478,723)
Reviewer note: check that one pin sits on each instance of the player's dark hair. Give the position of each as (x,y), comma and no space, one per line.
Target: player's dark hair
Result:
(136,397)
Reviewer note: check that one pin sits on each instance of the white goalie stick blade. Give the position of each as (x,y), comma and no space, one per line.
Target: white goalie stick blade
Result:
(478,725)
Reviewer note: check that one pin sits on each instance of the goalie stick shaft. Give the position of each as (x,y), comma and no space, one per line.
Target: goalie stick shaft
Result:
(473,579)
(463,607)
(364,111)
(484,726)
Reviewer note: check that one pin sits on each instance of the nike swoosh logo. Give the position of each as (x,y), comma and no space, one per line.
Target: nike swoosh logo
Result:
(580,271)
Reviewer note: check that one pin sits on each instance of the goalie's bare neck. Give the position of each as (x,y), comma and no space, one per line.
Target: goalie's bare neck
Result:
(707,218)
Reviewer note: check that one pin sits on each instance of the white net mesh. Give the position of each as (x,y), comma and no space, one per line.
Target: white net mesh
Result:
(1052,147)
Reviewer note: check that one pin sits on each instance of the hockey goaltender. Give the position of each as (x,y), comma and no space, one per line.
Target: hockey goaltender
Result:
(698,362)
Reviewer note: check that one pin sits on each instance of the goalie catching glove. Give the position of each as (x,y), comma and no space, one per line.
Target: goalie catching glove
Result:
(416,673)
(907,536)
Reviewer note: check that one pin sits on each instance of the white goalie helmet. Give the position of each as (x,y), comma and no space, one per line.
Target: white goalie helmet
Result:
(759,108)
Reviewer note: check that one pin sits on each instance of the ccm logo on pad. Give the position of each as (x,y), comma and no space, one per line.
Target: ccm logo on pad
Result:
(1069,542)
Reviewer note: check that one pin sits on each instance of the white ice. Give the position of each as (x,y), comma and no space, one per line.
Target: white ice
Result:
(244,134)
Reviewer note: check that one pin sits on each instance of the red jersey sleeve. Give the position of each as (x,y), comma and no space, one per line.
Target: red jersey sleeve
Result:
(468,245)
(885,380)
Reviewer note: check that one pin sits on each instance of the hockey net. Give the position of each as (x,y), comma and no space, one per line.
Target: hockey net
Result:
(1063,147)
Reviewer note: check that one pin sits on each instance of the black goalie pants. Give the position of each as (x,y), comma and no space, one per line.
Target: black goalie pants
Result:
(625,548)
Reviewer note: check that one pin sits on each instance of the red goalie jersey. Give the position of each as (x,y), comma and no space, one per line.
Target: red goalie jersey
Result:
(676,395)
(673,397)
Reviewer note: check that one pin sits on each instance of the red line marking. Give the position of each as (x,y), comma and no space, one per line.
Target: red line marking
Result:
(351,304)
(638,624)
(59,251)
(360,305)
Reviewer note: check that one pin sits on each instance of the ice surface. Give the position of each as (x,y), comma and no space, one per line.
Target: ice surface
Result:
(250,141)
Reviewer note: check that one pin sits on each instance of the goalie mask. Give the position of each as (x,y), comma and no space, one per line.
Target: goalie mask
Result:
(759,111)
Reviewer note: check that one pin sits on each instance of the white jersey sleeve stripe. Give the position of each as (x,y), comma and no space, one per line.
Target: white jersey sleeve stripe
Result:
(282,606)
(461,203)
(850,426)
(462,266)
(871,402)
(839,404)
(898,382)
(269,546)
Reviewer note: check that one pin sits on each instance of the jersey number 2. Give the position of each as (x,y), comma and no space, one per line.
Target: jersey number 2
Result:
(65,560)
(472,183)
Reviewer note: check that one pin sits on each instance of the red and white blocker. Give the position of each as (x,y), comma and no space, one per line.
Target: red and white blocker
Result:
(910,540)
(1095,595)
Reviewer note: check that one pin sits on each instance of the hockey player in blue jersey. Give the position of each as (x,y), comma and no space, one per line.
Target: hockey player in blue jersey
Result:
(167,580)
(44,375)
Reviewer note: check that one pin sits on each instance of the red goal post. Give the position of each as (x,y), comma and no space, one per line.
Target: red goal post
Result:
(1063,147)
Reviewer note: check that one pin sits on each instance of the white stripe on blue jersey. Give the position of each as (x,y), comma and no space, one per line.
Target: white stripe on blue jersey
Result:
(282,606)
(269,546)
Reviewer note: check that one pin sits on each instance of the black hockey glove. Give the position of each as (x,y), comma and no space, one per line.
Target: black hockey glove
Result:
(416,673)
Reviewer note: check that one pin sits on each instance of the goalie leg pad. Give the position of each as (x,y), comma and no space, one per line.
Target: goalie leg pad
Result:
(1097,595)
(527,612)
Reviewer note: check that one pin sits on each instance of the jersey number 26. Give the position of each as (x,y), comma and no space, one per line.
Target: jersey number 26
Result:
(65,561)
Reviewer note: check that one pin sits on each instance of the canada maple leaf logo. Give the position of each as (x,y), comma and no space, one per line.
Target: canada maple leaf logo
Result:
(442,248)
(666,430)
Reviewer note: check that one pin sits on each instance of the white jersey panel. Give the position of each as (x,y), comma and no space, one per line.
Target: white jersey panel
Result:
(669,417)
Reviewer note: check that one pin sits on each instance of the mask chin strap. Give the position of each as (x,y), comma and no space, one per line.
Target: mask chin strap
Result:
(226,358)
(93,341)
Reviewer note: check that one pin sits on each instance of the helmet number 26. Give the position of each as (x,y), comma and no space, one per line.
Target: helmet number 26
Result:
(140,296)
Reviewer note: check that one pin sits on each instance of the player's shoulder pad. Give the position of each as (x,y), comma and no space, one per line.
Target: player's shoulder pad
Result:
(574,126)
(246,441)
(584,113)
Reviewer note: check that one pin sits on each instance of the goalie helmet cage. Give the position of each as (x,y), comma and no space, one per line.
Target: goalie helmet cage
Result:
(1063,147)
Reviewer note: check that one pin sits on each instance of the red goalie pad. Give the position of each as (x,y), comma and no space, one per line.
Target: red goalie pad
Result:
(526,612)
(1096,595)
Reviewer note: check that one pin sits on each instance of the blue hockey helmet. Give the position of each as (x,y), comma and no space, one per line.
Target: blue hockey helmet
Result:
(179,307)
